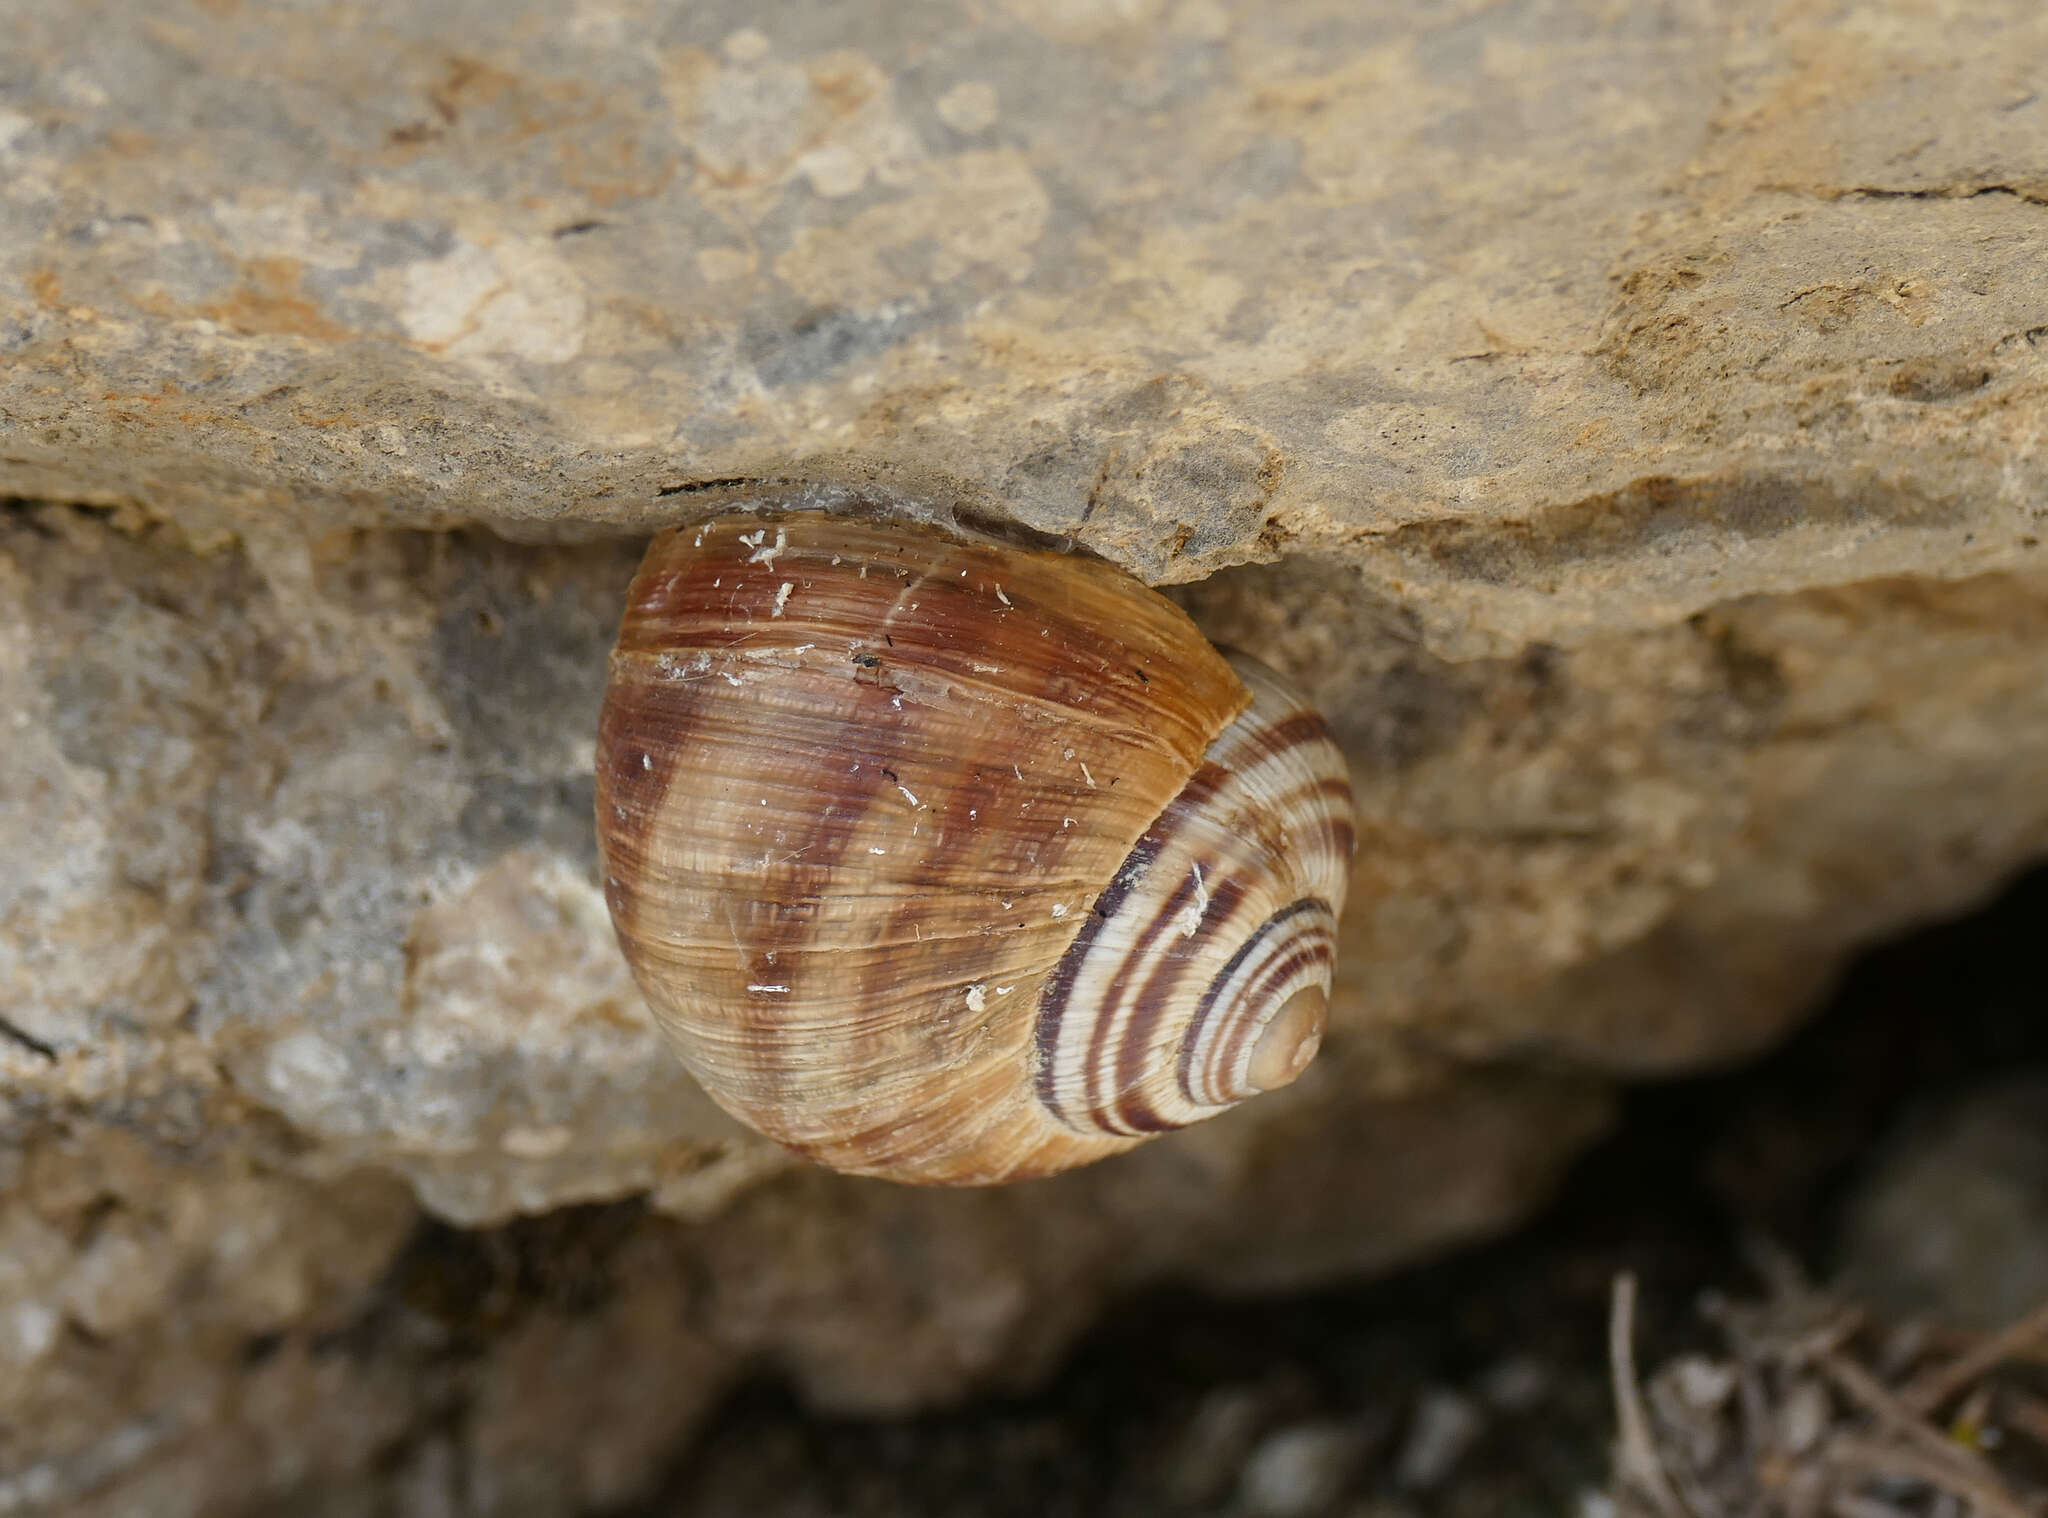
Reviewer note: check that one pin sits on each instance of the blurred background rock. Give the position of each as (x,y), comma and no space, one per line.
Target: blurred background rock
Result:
(1623,418)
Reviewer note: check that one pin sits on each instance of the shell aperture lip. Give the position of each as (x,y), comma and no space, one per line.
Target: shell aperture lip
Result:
(1202,977)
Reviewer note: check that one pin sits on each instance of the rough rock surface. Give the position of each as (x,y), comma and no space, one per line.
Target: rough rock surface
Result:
(1624,418)
(1551,316)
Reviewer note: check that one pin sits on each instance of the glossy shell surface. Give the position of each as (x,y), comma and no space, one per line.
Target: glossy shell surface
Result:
(955,862)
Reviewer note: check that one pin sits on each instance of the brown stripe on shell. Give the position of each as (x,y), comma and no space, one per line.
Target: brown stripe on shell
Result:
(1059,987)
(1139,993)
(1197,794)
(842,808)
(1138,1002)
(1165,995)
(1118,1048)
(647,706)
(1311,956)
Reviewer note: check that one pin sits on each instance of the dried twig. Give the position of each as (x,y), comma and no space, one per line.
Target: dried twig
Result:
(1637,1455)
(1855,1505)
(2027,1415)
(1803,1426)
(1869,1460)
(1928,1391)
(1868,1393)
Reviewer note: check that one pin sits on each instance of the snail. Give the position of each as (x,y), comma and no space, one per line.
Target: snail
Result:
(956,862)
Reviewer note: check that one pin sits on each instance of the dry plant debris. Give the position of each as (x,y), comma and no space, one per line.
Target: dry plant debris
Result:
(1819,1409)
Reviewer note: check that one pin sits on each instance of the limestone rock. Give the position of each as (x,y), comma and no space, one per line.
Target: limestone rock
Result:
(1627,424)
(1550,322)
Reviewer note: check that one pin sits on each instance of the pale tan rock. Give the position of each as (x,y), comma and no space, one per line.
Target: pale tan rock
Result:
(1650,852)
(1640,413)
(1548,322)
(578,1402)
(180,1303)
(388,939)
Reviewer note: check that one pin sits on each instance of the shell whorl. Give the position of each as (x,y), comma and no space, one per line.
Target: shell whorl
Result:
(1220,923)
(956,862)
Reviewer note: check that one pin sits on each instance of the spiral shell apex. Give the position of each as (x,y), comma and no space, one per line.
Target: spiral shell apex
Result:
(955,862)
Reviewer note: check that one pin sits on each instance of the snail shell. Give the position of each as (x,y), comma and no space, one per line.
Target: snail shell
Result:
(956,862)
